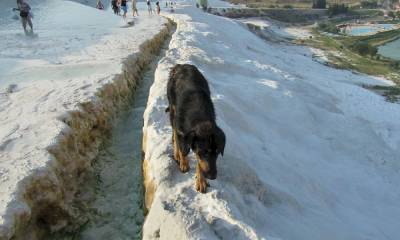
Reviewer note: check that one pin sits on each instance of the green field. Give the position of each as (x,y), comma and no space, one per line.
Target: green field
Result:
(341,54)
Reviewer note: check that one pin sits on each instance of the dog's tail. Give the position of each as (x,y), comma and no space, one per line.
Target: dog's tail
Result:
(167,109)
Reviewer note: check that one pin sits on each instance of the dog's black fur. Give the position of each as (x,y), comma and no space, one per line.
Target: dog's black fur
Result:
(192,117)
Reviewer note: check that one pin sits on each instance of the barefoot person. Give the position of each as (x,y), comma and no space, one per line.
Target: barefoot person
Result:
(134,8)
(115,6)
(158,7)
(25,14)
(124,7)
(149,7)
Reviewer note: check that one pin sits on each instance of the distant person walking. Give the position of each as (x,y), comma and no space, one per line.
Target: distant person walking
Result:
(124,7)
(115,6)
(149,7)
(25,14)
(134,8)
(99,5)
(158,7)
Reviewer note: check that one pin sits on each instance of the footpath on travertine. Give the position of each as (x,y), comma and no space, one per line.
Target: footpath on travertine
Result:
(309,153)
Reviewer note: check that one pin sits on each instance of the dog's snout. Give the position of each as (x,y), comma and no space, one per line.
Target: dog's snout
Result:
(211,176)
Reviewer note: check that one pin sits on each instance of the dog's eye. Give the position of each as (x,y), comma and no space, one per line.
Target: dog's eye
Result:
(208,152)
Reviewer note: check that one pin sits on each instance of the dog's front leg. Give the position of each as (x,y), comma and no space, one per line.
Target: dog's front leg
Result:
(179,153)
(201,182)
(183,162)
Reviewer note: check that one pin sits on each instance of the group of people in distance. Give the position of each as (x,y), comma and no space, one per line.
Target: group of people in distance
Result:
(26,14)
(118,5)
(169,3)
(150,9)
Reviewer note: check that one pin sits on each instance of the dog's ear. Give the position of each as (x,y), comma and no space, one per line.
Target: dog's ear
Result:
(219,140)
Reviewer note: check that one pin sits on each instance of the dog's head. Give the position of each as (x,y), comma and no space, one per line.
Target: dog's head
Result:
(207,141)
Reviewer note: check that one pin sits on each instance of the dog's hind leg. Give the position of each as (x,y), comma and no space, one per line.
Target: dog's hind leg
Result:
(175,145)
(174,134)
(201,182)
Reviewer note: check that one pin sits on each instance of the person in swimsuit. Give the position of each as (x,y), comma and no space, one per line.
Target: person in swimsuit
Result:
(25,14)
(149,7)
(158,7)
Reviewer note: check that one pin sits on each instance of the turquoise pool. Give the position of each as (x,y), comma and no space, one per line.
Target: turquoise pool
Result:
(369,29)
(391,50)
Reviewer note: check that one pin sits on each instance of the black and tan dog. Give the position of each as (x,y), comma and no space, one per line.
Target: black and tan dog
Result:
(192,118)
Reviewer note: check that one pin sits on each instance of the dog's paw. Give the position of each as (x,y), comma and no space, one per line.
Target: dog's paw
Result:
(201,185)
(184,167)
(176,156)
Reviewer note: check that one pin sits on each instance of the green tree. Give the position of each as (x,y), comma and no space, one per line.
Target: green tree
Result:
(392,15)
(364,48)
(320,4)
(337,8)
(328,27)
(369,4)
